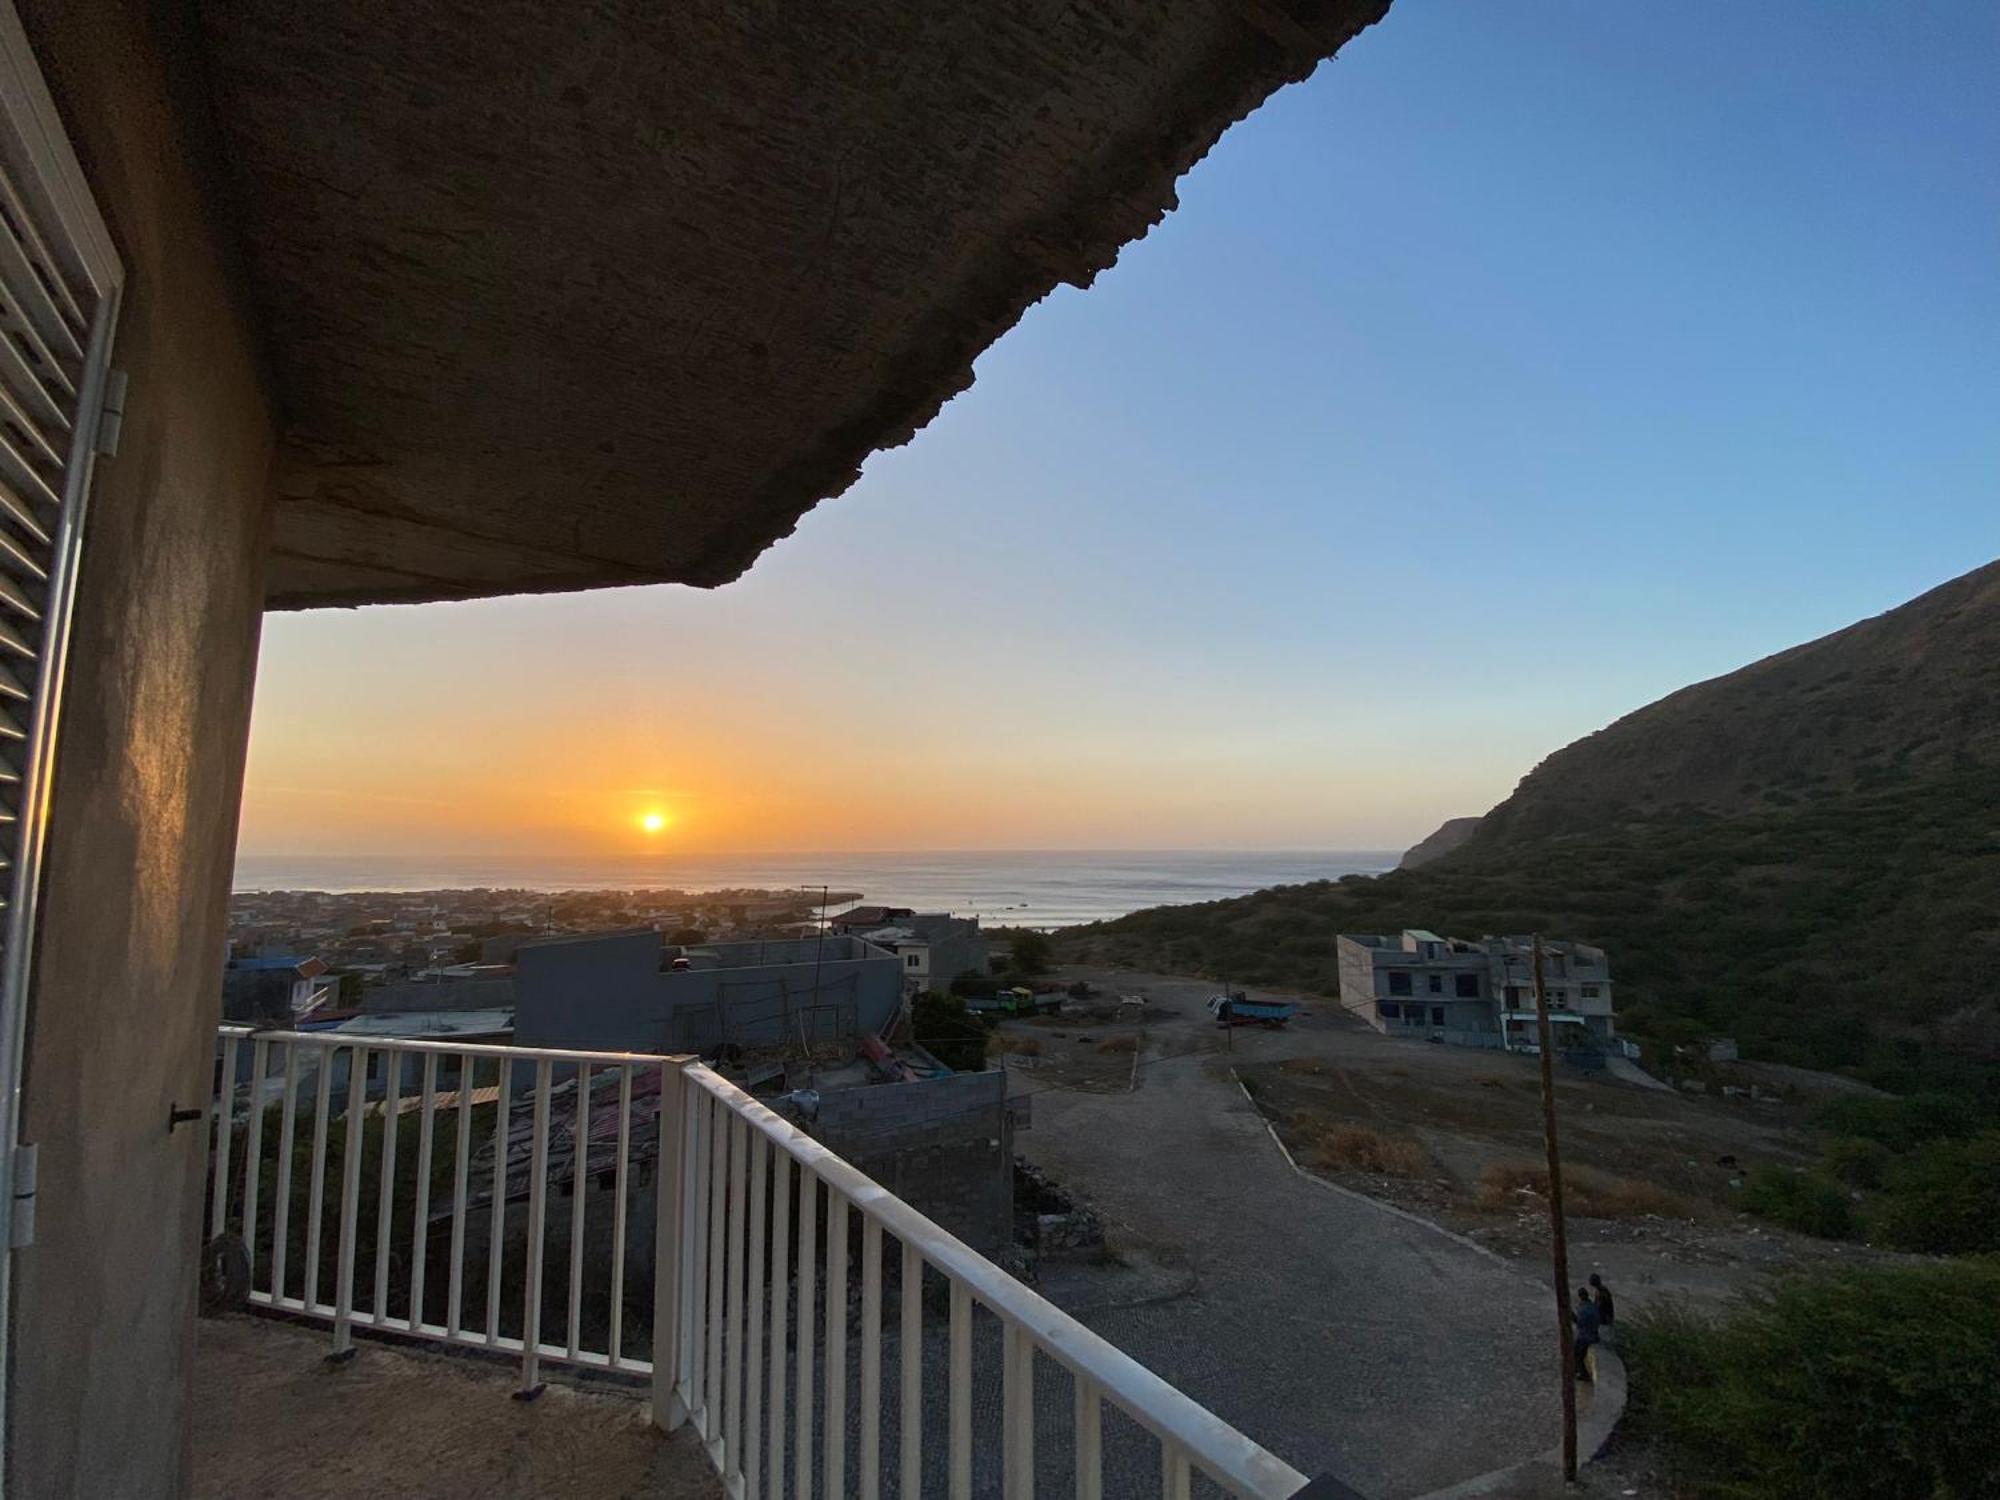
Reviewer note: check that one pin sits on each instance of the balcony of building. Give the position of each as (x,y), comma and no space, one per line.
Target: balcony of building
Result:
(320,306)
(681,1292)
(271,1417)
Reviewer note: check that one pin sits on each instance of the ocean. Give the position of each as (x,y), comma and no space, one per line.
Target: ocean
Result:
(1020,888)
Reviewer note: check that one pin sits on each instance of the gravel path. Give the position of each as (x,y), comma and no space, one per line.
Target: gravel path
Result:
(1628,1071)
(1344,1338)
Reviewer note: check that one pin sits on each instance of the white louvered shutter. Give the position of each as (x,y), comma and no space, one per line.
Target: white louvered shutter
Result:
(59,284)
(59,288)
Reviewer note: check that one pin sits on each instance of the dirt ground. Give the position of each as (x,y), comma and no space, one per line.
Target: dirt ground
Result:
(271,1417)
(1092,1044)
(1674,1156)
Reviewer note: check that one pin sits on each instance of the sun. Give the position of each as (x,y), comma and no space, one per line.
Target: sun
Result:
(653,822)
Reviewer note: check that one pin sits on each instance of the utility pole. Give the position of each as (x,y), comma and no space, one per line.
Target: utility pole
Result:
(1558,1245)
(819,950)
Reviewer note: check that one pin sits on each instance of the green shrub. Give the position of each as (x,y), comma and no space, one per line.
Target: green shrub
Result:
(1856,1160)
(1801,1201)
(1944,1198)
(1901,1123)
(1867,1383)
(1032,951)
(948,1031)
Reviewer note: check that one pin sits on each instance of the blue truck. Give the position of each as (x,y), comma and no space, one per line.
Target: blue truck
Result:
(1239,1010)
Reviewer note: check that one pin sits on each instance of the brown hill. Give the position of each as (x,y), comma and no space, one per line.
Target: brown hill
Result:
(1804,855)
(1912,692)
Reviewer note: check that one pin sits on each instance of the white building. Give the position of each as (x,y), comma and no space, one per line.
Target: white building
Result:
(934,948)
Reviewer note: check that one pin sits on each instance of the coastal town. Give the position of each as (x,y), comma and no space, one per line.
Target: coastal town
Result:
(394,935)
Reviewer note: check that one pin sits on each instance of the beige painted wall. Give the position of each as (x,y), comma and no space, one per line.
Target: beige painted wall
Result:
(147,788)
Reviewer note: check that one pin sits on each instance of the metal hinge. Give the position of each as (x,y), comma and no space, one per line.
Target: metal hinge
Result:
(21,1233)
(111,416)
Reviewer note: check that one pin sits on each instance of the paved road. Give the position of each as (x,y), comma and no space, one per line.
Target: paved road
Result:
(1346,1339)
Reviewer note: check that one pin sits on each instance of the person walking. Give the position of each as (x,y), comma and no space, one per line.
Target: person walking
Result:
(1586,1331)
(1607,1309)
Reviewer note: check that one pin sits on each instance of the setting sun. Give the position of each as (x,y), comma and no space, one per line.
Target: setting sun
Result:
(653,822)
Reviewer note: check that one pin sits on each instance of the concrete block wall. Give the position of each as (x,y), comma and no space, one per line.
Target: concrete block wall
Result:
(608,992)
(943,1145)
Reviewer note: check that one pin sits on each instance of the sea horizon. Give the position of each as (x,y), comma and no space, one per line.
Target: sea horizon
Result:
(1020,887)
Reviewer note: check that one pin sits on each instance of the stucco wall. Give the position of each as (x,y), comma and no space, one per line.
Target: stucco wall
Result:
(148,783)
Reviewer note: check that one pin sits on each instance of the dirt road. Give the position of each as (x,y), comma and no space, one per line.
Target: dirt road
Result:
(1347,1339)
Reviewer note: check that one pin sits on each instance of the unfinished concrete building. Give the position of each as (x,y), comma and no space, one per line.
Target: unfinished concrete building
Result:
(1477,992)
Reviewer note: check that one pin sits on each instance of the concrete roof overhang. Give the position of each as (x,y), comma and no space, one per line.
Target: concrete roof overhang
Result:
(560,296)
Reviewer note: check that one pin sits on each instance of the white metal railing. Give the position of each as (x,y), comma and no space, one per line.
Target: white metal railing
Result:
(399,1252)
(775,1364)
(748,1322)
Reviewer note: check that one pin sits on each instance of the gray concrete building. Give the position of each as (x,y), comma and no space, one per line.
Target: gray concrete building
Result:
(942,1144)
(620,992)
(1476,992)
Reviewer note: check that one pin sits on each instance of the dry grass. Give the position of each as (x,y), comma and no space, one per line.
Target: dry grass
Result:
(1357,1148)
(1128,1043)
(1587,1193)
(1000,1044)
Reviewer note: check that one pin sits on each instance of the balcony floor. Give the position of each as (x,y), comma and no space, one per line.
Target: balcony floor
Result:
(272,1418)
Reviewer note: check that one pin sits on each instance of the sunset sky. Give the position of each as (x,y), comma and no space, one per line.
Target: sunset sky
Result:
(1528,362)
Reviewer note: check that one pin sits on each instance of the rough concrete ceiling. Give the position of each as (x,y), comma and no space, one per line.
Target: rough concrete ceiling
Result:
(612,292)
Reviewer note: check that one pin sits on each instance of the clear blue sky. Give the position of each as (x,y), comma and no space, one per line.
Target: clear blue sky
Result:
(1528,362)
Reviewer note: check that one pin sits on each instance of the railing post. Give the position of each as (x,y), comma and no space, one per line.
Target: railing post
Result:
(224,1111)
(670,1189)
(350,1196)
(538,1203)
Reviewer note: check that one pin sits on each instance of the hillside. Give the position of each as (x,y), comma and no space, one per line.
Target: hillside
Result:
(1450,834)
(1909,694)
(1804,854)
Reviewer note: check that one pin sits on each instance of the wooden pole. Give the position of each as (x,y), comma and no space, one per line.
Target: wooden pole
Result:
(1558,1245)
